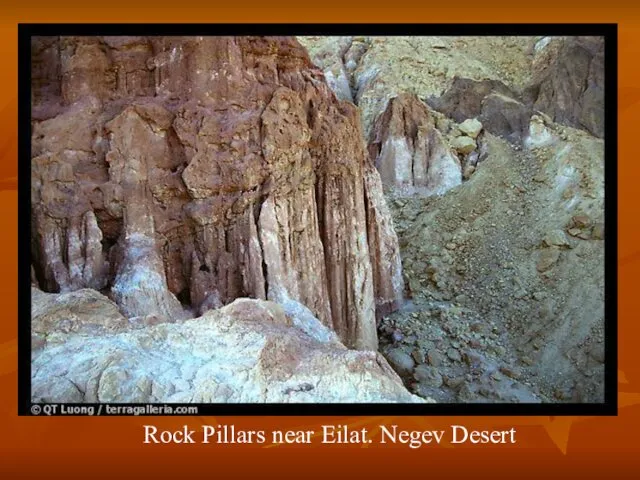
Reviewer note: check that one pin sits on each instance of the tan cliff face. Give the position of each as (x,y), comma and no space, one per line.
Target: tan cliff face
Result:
(175,172)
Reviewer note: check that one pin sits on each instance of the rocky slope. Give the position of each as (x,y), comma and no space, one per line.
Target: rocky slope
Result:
(504,258)
(178,174)
(250,351)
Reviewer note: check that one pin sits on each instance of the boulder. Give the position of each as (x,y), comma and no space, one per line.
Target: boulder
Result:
(401,361)
(463,145)
(505,117)
(463,99)
(471,127)
(498,108)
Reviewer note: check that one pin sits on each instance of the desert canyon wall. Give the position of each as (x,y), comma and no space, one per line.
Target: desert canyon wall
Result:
(176,174)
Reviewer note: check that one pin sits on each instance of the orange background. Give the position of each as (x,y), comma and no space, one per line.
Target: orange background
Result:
(112,447)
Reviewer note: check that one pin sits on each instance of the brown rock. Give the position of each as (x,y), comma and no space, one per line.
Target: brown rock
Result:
(418,356)
(384,249)
(505,117)
(468,171)
(581,221)
(454,382)
(434,358)
(512,372)
(465,96)
(570,88)
(197,170)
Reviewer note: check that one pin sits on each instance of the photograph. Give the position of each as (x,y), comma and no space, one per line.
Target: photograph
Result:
(328,219)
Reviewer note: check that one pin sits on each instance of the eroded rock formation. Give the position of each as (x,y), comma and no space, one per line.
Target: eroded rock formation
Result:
(569,86)
(249,351)
(498,107)
(410,152)
(178,174)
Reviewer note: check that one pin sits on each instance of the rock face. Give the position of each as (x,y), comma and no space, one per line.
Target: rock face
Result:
(495,105)
(178,174)
(569,86)
(410,152)
(54,317)
(249,351)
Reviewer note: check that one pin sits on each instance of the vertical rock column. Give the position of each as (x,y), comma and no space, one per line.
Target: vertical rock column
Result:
(140,285)
(384,249)
(410,153)
(288,225)
(340,193)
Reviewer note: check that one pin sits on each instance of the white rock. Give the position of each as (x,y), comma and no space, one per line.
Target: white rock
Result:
(248,351)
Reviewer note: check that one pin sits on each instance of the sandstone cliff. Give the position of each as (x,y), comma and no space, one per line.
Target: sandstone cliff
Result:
(178,174)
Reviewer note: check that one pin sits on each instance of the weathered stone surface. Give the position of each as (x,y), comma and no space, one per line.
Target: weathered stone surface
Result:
(495,105)
(137,143)
(505,117)
(410,152)
(384,250)
(464,97)
(471,127)
(83,312)
(196,170)
(464,145)
(249,351)
(570,85)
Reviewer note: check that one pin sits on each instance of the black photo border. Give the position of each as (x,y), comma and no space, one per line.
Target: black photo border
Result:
(608,31)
